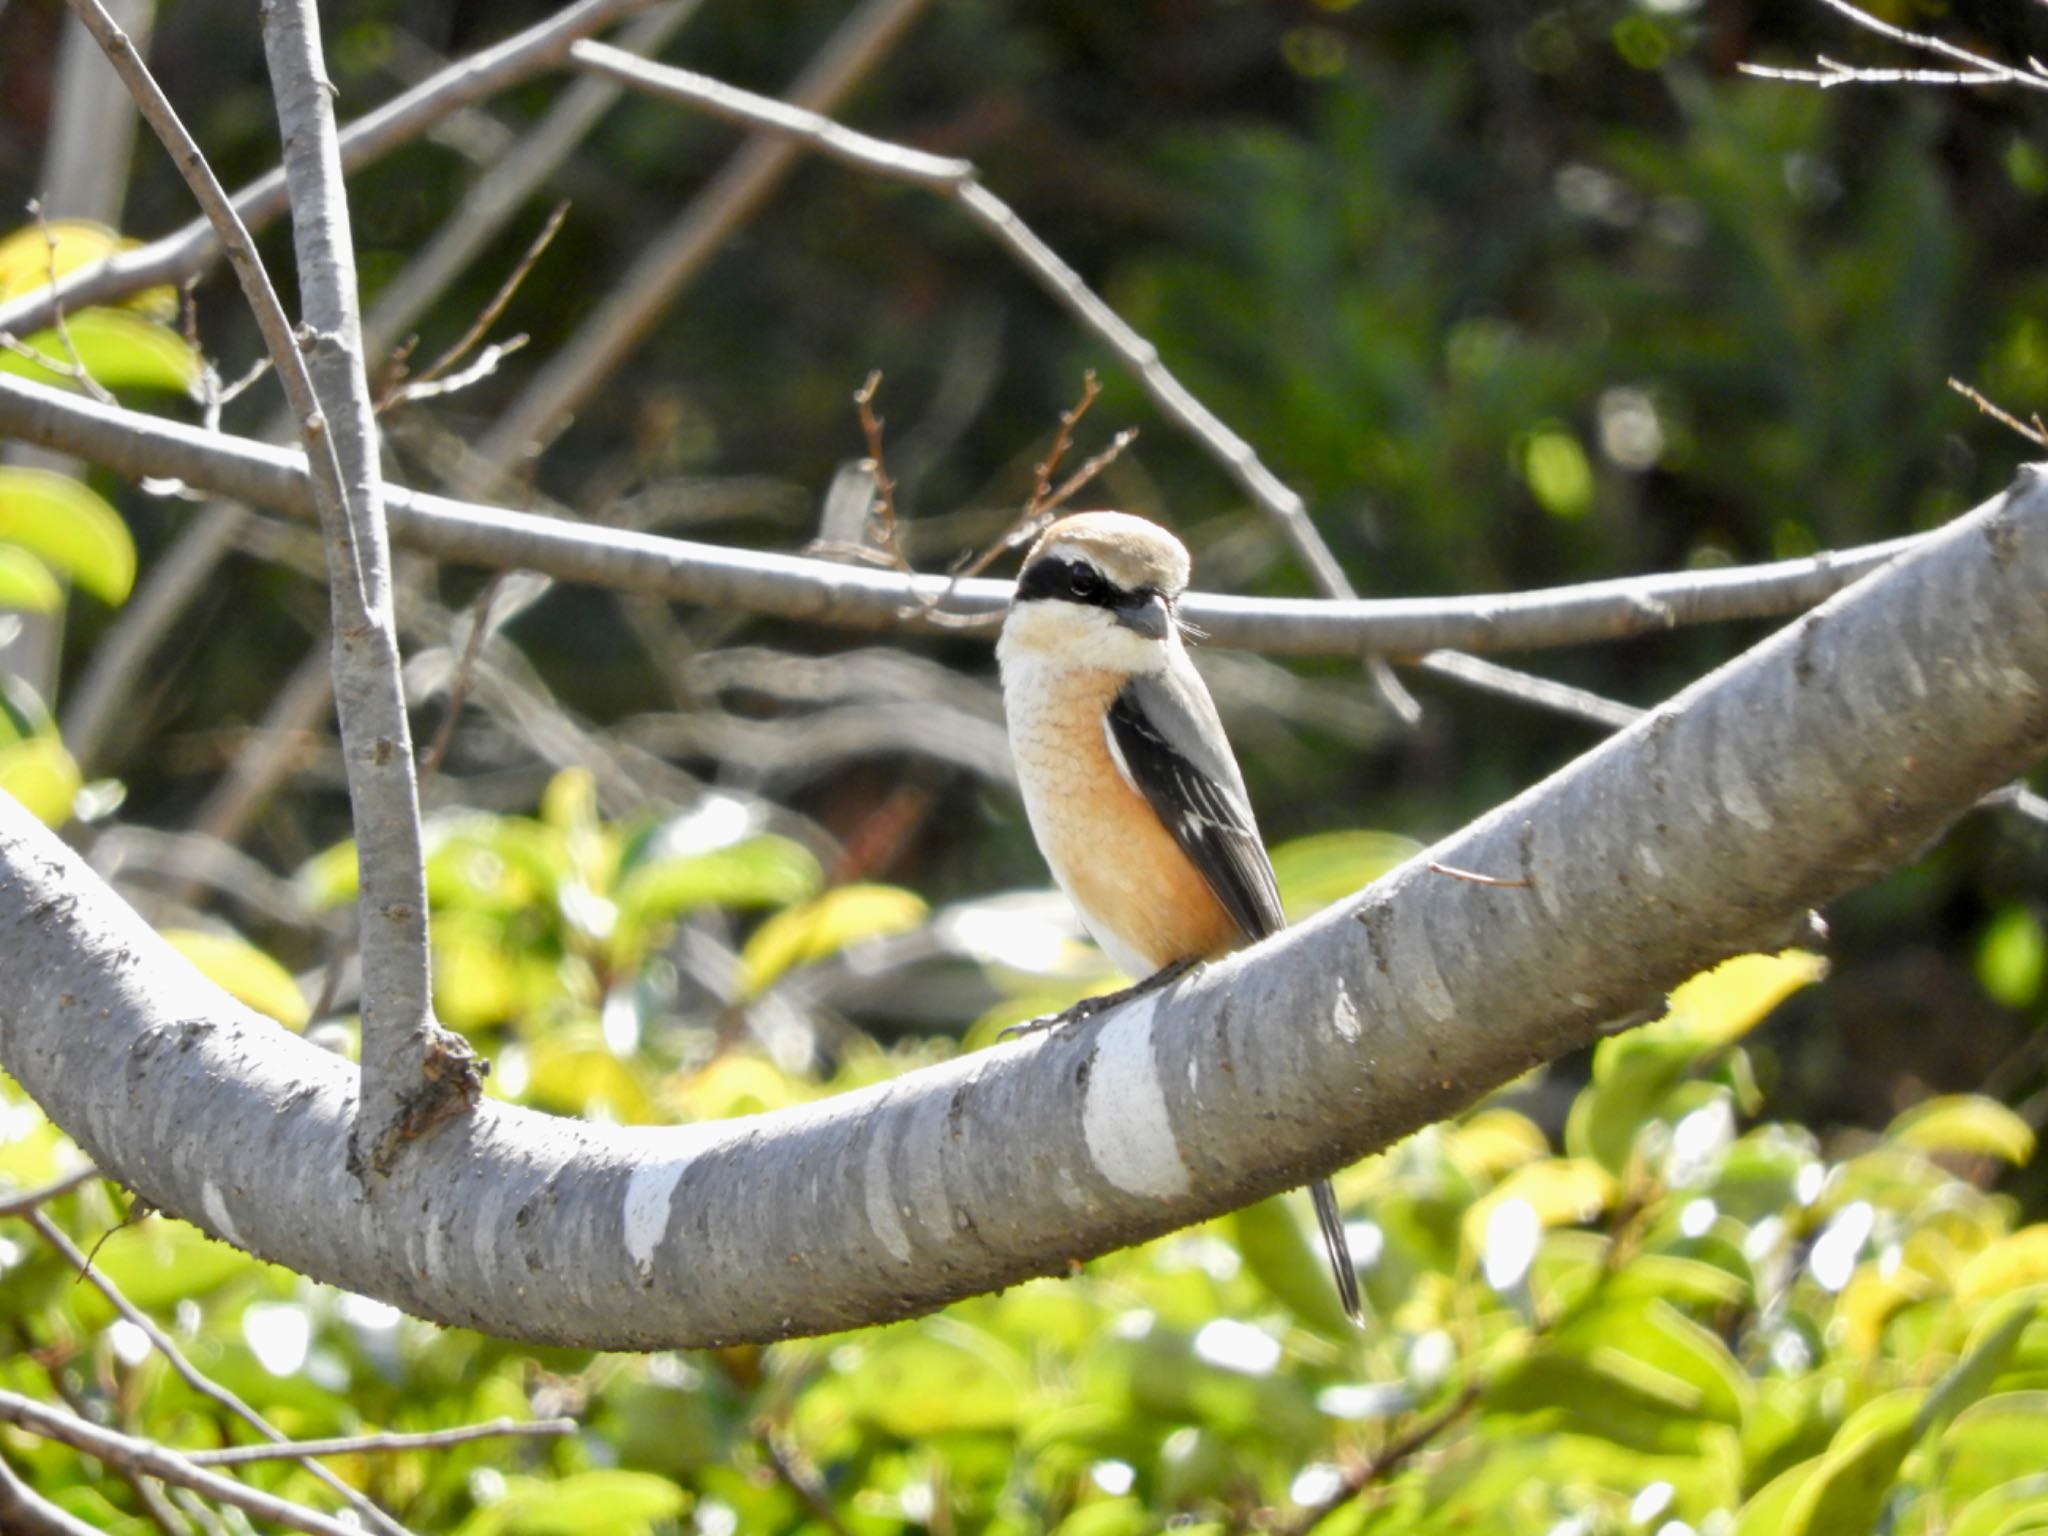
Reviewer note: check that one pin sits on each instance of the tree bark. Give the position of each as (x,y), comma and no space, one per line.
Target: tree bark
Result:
(1821,759)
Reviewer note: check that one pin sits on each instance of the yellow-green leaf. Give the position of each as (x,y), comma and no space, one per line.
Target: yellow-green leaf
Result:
(244,972)
(1557,471)
(26,585)
(2006,1266)
(329,878)
(1848,1487)
(1562,1191)
(2012,957)
(1314,871)
(69,527)
(119,349)
(42,776)
(1967,1123)
(30,255)
(825,926)
(1727,1002)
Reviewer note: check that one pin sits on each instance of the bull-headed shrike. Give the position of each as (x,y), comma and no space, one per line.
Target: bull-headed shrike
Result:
(1128,780)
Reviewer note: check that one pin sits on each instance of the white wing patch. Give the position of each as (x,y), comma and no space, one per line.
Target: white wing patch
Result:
(1116,755)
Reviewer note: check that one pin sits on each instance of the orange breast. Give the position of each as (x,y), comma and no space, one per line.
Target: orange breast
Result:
(1108,849)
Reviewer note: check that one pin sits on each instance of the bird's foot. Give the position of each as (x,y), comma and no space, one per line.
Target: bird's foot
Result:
(1088,1007)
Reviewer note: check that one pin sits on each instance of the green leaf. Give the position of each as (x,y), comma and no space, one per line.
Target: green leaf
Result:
(1966,1123)
(1993,1441)
(1847,1488)
(2012,957)
(1557,471)
(26,584)
(760,872)
(944,1377)
(69,527)
(610,1500)
(841,917)
(1280,1257)
(1314,871)
(2017,1508)
(1991,1350)
(119,349)
(42,776)
(244,972)
(329,879)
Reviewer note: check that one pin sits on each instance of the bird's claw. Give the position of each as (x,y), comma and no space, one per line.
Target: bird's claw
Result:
(1102,1002)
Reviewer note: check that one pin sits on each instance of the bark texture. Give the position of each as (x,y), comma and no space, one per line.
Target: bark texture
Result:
(1828,755)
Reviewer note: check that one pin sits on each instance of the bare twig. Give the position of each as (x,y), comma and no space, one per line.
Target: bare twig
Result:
(29,1201)
(193,249)
(1475,878)
(383,1442)
(77,371)
(1376,1469)
(1978,69)
(2034,433)
(146,1456)
(402,389)
(197,1379)
(800,1478)
(638,298)
(880,530)
(1062,439)
(1527,688)
(28,1513)
(492,200)
(479,620)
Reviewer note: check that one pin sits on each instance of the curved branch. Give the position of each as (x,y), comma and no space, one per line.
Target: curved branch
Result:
(1819,760)
(859,597)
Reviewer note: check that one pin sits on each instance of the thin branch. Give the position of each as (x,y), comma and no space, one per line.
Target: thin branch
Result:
(2034,433)
(77,371)
(879,528)
(184,254)
(197,1379)
(28,1201)
(1377,1468)
(384,1442)
(830,593)
(25,1512)
(1978,68)
(1527,688)
(129,1453)
(497,195)
(487,317)
(638,298)
(416,1076)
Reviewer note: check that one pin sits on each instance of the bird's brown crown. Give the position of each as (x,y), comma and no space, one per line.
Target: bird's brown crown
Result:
(1135,555)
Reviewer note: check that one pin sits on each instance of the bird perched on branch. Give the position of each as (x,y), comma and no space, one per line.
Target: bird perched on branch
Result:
(1128,779)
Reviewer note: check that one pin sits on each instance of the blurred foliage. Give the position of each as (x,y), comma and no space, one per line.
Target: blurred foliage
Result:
(1514,294)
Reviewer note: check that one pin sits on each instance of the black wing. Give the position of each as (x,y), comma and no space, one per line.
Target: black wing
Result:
(1208,817)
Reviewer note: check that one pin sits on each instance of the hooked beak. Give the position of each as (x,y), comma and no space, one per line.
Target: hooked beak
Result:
(1152,618)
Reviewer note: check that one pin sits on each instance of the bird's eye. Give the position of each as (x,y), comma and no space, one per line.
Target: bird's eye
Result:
(1086,582)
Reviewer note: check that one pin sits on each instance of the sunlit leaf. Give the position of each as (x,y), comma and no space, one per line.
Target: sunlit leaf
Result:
(1965,1123)
(919,1382)
(843,916)
(605,1499)
(328,879)
(42,776)
(2012,956)
(244,972)
(2006,1266)
(26,584)
(1848,1486)
(69,527)
(1727,1002)
(1560,1191)
(31,254)
(1314,871)
(118,349)
(760,872)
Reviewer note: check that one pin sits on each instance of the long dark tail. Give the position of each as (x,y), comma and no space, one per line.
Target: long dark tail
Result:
(1331,1221)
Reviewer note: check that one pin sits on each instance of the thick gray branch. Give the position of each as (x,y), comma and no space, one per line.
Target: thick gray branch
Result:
(1821,759)
(859,597)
